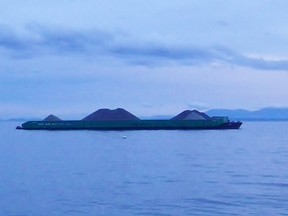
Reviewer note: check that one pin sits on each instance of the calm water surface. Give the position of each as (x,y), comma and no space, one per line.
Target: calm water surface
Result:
(157,173)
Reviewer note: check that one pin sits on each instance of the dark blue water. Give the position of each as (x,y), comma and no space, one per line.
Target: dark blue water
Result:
(157,173)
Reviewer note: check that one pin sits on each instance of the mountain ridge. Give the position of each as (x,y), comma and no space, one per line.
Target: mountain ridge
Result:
(264,114)
(268,113)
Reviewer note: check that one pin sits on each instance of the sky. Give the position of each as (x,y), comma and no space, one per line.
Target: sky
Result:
(72,57)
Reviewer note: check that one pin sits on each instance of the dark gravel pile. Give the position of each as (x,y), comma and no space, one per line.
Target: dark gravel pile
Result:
(52,118)
(118,114)
(191,115)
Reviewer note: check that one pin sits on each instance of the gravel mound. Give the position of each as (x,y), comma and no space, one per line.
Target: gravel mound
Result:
(52,118)
(191,115)
(118,114)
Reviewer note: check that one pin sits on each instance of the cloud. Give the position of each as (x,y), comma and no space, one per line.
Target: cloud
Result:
(41,40)
(11,41)
(228,56)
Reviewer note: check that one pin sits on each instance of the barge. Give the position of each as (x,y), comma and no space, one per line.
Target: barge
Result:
(112,120)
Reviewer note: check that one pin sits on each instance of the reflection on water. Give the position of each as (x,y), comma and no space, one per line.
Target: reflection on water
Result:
(225,172)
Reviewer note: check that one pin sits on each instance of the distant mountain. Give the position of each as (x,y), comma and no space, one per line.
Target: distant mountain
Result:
(14,120)
(265,114)
(262,114)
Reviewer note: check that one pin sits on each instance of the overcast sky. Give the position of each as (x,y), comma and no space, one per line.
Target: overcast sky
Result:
(72,57)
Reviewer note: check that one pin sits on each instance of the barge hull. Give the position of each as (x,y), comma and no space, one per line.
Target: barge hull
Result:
(132,125)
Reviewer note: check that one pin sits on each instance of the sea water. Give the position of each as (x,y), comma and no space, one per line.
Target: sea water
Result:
(157,173)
